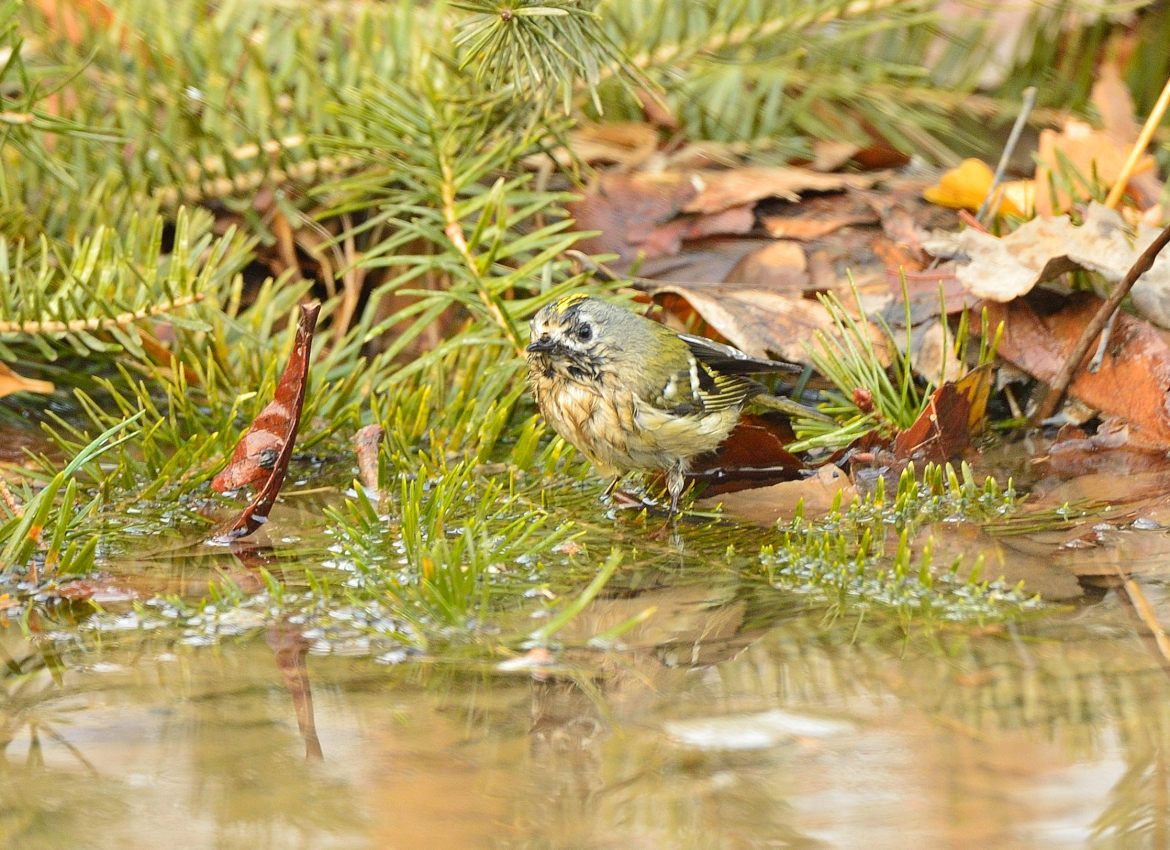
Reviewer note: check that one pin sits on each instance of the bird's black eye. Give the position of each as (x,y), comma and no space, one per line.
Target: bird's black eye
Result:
(585,333)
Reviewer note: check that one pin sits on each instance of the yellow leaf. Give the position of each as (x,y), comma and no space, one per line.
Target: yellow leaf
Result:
(965,187)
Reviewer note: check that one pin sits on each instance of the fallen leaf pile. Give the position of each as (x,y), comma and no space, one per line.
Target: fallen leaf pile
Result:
(1042,250)
(742,251)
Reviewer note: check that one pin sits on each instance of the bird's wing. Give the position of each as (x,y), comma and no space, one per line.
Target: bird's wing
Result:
(719,390)
(731,361)
(700,388)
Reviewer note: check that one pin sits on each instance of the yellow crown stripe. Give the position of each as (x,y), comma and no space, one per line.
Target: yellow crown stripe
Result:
(568,301)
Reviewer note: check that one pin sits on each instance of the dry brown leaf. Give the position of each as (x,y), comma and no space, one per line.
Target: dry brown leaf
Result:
(1134,379)
(718,190)
(777,267)
(756,321)
(806,230)
(1001,269)
(712,261)
(765,505)
(816,217)
(731,221)
(10,383)
(634,214)
(650,214)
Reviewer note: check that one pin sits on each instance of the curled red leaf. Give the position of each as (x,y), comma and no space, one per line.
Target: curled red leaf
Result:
(264,450)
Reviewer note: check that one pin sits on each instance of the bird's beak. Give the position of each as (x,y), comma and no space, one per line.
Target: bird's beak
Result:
(544,345)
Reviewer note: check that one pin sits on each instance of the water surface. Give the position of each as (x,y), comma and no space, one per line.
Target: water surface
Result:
(714,726)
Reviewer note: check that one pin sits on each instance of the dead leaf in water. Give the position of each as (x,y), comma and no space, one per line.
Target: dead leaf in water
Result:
(265,448)
(952,416)
(752,456)
(765,505)
(1109,453)
(367,442)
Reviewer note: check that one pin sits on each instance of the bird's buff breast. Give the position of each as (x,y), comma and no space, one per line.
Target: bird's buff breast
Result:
(619,431)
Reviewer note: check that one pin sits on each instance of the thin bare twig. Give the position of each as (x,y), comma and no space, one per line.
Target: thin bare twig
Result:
(1145,612)
(1059,386)
(1008,150)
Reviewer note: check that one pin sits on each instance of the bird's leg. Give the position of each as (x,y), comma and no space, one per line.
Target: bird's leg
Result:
(674,485)
(619,498)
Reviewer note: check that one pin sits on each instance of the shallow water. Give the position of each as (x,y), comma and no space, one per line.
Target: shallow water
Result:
(734,715)
(714,727)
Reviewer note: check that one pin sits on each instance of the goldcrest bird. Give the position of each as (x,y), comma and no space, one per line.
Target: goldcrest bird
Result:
(630,393)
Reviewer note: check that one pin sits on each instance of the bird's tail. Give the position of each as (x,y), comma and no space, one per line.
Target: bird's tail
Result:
(792,408)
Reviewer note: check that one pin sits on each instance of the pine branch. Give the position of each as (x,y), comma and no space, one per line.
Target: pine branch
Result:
(97,323)
(736,70)
(801,17)
(87,297)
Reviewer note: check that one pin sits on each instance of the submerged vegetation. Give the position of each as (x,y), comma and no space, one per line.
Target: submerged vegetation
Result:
(848,554)
(222,164)
(460,559)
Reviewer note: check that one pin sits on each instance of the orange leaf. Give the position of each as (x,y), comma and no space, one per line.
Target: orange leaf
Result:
(10,383)
(1094,153)
(1134,376)
(954,413)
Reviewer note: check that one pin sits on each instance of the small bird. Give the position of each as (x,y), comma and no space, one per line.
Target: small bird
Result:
(630,393)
